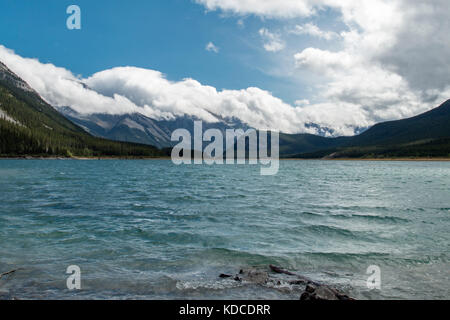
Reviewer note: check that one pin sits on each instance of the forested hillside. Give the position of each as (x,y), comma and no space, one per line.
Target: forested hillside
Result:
(426,135)
(29,126)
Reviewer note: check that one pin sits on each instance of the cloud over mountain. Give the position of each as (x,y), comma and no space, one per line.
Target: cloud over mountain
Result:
(129,89)
(390,60)
(387,60)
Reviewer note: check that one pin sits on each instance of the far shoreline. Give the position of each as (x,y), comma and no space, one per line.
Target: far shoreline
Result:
(373,159)
(281,159)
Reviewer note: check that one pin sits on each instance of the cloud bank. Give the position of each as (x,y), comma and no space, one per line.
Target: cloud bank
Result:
(390,61)
(129,89)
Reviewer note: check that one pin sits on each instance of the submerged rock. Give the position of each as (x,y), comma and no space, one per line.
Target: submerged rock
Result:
(318,293)
(250,275)
(312,289)
(255,276)
(322,292)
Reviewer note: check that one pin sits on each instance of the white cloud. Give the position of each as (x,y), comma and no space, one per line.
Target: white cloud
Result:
(364,74)
(212,47)
(272,41)
(265,8)
(129,89)
(314,31)
(391,60)
(322,61)
(302,102)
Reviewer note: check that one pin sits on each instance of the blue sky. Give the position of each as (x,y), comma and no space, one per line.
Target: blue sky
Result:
(342,65)
(169,36)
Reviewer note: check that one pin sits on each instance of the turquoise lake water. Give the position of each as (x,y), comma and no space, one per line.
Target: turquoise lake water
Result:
(153,230)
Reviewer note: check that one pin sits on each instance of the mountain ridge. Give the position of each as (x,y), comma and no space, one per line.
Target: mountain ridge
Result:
(427,134)
(138,128)
(27,120)
(30,126)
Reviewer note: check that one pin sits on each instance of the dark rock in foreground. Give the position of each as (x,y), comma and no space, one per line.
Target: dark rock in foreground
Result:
(253,275)
(322,292)
(312,290)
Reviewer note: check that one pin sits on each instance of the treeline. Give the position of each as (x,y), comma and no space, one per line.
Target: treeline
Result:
(20,141)
(41,131)
(433,148)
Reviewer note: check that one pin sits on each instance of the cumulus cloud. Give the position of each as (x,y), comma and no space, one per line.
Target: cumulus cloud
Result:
(302,102)
(129,89)
(314,31)
(265,8)
(212,47)
(373,71)
(59,87)
(391,60)
(422,47)
(272,41)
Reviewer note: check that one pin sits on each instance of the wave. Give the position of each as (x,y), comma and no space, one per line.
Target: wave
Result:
(372,217)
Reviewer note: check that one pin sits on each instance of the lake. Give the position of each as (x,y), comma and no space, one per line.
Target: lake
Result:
(148,229)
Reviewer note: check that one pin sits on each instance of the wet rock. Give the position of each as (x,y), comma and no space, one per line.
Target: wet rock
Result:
(280,270)
(310,288)
(325,293)
(255,276)
(306,296)
(322,292)
(298,282)
(301,280)
(251,275)
(344,297)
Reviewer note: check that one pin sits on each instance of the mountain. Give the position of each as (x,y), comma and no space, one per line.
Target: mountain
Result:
(291,145)
(421,136)
(425,135)
(30,126)
(433,124)
(134,127)
(141,129)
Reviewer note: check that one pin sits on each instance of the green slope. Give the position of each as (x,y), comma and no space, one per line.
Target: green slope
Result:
(39,130)
(426,135)
(434,124)
(294,144)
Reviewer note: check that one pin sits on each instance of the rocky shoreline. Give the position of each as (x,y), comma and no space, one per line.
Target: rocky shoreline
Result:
(312,290)
(268,276)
